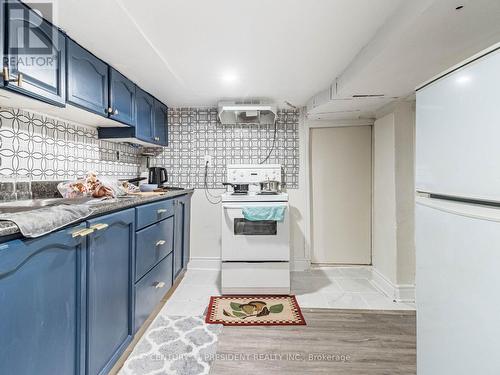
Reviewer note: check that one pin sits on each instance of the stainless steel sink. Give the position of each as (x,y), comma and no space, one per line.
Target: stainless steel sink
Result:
(31,204)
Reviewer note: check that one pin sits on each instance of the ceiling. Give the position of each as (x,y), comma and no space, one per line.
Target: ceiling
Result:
(420,40)
(197,52)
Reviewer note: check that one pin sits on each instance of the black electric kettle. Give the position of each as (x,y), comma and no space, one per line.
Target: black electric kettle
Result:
(157,176)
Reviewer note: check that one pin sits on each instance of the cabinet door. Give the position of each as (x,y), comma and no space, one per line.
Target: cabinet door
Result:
(145,115)
(36,53)
(41,294)
(178,236)
(186,201)
(121,98)
(87,80)
(161,124)
(109,289)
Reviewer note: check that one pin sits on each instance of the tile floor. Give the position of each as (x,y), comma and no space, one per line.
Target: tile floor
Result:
(326,287)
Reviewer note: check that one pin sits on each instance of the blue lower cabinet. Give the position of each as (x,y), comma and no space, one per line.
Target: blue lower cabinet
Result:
(152,245)
(109,289)
(178,236)
(41,304)
(186,202)
(182,219)
(151,289)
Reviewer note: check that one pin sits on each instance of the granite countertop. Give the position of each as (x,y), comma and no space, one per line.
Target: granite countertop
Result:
(8,228)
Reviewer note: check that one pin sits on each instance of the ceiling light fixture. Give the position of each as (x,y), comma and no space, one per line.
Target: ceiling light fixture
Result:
(230,77)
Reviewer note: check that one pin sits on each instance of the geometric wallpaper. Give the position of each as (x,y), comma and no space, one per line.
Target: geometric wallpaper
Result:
(44,148)
(47,149)
(196,132)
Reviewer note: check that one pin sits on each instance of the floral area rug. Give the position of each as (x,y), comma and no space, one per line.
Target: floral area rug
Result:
(174,345)
(254,310)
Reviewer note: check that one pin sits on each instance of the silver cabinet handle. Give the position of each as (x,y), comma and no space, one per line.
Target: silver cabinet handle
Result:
(6,76)
(82,232)
(161,242)
(99,226)
(159,284)
(161,211)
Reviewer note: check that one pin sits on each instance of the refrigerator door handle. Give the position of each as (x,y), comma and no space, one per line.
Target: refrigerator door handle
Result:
(475,211)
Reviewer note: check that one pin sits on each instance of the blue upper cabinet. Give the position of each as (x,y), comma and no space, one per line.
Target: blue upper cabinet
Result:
(121,98)
(110,267)
(2,28)
(35,63)
(87,78)
(145,116)
(161,123)
(41,303)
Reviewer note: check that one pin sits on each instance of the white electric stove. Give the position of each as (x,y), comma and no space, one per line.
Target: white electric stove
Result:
(255,254)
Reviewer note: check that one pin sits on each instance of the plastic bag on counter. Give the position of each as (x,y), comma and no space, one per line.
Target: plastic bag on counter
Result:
(95,187)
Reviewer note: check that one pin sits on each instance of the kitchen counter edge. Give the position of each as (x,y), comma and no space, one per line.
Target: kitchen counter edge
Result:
(10,231)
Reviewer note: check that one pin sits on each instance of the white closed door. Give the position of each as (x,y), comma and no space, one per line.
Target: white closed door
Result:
(341,185)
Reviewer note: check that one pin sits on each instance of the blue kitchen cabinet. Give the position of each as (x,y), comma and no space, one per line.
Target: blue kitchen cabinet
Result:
(145,116)
(41,304)
(122,93)
(182,219)
(35,61)
(2,32)
(186,203)
(160,135)
(110,268)
(87,79)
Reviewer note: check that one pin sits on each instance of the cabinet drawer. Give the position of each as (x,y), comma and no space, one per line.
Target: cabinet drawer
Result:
(152,245)
(151,289)
(151,213)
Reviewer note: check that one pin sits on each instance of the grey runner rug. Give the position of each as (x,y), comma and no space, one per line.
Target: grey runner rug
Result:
(174,345)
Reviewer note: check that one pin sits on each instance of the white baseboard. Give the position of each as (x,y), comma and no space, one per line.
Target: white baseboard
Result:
(204,263)
(397,292)
(213,263)
(300,264)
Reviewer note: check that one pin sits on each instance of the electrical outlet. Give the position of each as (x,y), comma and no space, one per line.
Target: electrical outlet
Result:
(207,159)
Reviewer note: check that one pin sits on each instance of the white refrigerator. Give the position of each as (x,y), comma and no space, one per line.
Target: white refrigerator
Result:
(458,220)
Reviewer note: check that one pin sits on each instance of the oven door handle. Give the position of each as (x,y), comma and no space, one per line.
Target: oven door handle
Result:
(240,206)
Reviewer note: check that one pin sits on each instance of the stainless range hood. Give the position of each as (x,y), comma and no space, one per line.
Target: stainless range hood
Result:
(246,113)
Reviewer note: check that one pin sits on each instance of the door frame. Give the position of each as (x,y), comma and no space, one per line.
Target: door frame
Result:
(307,125)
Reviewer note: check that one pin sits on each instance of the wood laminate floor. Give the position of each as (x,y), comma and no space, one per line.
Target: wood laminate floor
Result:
(346,342)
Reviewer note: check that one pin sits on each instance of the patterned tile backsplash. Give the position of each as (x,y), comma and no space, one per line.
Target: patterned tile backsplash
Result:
(44,148)
(48,149)
(195,132)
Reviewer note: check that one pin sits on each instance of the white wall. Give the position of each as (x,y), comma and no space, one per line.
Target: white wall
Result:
(206,221)
(384,245)
(394,198)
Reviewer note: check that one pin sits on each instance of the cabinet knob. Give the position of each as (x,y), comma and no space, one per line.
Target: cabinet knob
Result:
(159,284)
(110,110)
(161,242)
(161,211)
